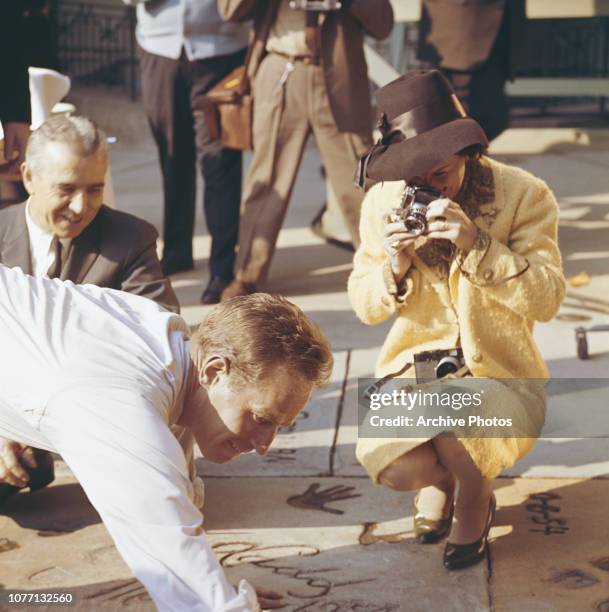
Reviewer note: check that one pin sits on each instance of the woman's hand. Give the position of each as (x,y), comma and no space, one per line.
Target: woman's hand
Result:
(395,241)
(447,220)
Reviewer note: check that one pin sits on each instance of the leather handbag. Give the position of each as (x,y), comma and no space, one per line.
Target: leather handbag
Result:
(228,109)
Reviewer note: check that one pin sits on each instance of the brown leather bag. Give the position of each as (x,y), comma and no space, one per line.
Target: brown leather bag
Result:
(228,109)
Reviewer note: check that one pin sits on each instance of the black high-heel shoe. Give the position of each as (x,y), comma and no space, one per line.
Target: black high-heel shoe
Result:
(458,556)
(430,531)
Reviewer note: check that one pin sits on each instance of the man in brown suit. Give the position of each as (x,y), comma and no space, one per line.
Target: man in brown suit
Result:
(476,45)
(64,231)
(309,75)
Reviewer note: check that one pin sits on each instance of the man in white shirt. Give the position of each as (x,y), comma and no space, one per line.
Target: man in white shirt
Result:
(100,376)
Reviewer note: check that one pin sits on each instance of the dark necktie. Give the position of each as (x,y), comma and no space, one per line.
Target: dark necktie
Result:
(54,270)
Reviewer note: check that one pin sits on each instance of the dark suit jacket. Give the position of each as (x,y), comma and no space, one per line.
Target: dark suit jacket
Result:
(342,51)
(460,34)
(116,250)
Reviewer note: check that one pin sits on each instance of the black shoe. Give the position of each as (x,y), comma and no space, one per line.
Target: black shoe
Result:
(458,556)
(213,291)
(430,531)
(170,266)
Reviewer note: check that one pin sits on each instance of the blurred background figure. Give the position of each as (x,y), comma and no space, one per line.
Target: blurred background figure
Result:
(14,83)
(185,49)
(475,44)
(309,75)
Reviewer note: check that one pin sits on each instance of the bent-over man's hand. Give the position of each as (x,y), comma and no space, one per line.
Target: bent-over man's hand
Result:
(269,600)
(14,458)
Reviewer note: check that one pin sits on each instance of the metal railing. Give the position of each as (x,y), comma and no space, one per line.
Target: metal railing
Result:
(96,43)
(566,48)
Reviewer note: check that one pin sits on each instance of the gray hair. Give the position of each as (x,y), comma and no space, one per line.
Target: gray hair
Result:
(78,132)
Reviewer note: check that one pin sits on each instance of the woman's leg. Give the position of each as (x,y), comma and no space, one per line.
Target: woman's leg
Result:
(471,508)
(420,469)
(415,469)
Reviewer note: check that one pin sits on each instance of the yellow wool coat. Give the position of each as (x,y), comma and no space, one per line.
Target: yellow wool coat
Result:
(493,295)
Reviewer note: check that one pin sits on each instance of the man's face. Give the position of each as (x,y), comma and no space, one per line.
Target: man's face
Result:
(446,177)
(246,418)
(66,190)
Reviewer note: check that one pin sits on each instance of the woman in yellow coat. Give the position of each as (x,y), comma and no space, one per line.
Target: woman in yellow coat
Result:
(485,269)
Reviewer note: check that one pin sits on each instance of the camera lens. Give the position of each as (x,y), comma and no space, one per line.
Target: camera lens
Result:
(447,365)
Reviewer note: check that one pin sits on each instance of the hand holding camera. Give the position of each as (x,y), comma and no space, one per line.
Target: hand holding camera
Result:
(405,224)
(423,212)
(448,221)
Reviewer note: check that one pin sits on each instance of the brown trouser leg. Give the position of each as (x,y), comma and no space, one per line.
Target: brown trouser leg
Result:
(340,152)
(284,113)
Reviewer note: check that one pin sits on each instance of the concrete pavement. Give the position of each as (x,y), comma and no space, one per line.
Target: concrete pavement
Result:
(305,519)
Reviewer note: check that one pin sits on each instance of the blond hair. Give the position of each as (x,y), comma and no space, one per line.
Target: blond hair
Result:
(259,333)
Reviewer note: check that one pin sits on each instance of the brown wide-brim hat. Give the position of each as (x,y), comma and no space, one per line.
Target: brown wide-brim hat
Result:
(422,124)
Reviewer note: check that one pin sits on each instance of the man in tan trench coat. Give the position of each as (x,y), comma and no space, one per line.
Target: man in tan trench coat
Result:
(309,75)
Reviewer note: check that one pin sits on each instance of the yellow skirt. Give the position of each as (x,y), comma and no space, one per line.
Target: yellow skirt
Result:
(521,401)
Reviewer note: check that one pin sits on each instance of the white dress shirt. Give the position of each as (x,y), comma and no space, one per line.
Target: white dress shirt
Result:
(98,376)
(166,27)
(43,257)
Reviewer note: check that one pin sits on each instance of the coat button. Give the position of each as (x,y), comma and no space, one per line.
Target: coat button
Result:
(488,274)
(477,357)
(385,301)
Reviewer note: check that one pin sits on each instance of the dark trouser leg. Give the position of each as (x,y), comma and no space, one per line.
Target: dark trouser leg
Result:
(221,169)
(482,91)
(166,101)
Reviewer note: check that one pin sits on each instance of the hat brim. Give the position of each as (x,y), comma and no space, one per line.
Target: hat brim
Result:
(415,156)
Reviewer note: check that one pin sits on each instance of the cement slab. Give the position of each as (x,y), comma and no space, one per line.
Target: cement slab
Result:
(327,543)
(556,556)
(349,554)
(565,458)
(332,544)
(361,365)
(53,541)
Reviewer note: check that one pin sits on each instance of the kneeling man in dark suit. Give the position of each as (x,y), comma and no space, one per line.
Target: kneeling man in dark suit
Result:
(65,231)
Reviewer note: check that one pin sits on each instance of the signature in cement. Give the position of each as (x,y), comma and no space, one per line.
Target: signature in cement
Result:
(316,582)
(315,499)
(125,592)
(544,514)
(575,579)
(351,605)
(280,454)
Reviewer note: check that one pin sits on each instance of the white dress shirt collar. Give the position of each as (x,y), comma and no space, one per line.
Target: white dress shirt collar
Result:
(41,254)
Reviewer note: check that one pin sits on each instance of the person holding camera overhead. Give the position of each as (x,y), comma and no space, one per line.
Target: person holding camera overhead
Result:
(463,251)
